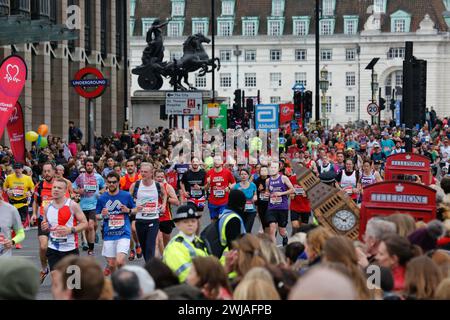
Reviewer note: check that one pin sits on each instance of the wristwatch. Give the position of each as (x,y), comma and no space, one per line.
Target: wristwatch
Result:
(73,230)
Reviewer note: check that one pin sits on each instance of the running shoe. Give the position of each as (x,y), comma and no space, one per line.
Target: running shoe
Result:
(107,272)
(139,252)
(132,255)
(44,274)
(91,253)
(85,246)
(19,246)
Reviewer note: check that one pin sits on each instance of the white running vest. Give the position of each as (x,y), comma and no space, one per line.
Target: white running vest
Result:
(61,217)
(147,197)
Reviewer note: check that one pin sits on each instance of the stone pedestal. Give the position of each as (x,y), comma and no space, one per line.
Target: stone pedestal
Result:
(146,106)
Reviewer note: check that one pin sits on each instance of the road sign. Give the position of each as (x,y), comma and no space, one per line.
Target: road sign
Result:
(184,103)
(373,109)
(213,110)
(299,87)
(80,83)
(267,116)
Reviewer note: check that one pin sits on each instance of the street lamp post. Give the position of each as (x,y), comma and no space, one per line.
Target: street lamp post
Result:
(373,82)
(324,85)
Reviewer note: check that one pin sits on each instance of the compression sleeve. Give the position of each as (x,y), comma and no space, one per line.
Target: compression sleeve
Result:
(20,236)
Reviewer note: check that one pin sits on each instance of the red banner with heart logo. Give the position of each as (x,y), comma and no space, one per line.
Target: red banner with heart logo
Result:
(16,133)
(13,75)
(286,112)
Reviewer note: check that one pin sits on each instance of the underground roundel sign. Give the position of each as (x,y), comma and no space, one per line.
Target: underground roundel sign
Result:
(89,83)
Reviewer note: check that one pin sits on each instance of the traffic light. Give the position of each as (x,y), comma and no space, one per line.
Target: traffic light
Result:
(249,105)
(307,102)
(382,103)
(297,101)
(393,103)
(237,103)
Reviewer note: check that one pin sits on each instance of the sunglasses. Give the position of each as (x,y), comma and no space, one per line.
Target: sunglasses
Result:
(112,182)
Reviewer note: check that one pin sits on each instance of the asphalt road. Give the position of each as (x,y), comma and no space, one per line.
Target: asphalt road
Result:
(31,247)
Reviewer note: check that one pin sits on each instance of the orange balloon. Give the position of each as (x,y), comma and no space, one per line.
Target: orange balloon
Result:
(43,130)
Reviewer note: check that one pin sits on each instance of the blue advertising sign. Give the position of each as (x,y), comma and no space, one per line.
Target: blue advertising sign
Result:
(267,116)
(397,113)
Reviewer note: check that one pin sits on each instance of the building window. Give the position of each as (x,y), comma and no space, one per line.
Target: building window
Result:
(250,55)
(227,8)
(175,29)
(250,80)
(300,54)
(275,28)
(275,80)
(326,54)
(394,53)
(200,25)
(178,8)
(350,104)
(350,54)
(330,79)
(275,99)
(379,6)
(300,78)
(225,28)
(350,79)
(132,24)
(200,82)
(176,55)
(250,28)
(327,7)
(326,27)
(399,25)
(132,7)
(225,80)
(399,78)
(277,8)
(351,26)
(275,55)
(328,104)
(225,55)
(300,27)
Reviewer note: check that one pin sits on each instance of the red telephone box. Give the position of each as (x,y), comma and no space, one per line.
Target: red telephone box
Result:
(389,197)
(405,166)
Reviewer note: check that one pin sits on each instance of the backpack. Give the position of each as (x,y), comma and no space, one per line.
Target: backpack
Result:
(136,188)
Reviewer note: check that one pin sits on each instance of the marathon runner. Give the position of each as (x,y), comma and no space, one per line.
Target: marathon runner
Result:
(9,220)
(60,174)
(300,206)
(249,189)
(42,198)
(19,187)
(115,207)
(89,186)
(219,183)
(279,187)
(63,218)
(348,180)
(151,201)
(193,185)
(125,183)
(166,224)
(263,199)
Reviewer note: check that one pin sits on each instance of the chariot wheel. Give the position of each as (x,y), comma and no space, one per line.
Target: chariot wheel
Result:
(150,81)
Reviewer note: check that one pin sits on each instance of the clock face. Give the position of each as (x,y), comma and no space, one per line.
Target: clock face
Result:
(344,220)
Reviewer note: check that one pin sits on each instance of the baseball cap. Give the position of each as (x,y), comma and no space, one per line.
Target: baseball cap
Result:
(18,165)
(376,145)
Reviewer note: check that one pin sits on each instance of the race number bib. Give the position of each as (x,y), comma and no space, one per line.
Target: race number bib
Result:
(249,206)
(150,208)
(196,193)
(90,188)
(276,200)
(116,221)
(18,192)
(57,236)
(219,193)
(263,197)
(348,190)
(299,191)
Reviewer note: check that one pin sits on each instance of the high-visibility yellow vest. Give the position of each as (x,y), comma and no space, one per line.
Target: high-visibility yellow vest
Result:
(179,253)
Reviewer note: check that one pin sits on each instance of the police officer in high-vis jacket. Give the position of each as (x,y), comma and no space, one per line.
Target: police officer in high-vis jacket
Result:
(186,245)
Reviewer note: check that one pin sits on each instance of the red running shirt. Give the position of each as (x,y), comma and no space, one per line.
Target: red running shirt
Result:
(219,181)
(299,203)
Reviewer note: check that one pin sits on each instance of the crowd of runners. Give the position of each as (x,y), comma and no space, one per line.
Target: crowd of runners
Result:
(138,201)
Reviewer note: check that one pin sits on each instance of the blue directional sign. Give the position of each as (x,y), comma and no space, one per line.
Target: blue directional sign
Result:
(299,87)
(267,116)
